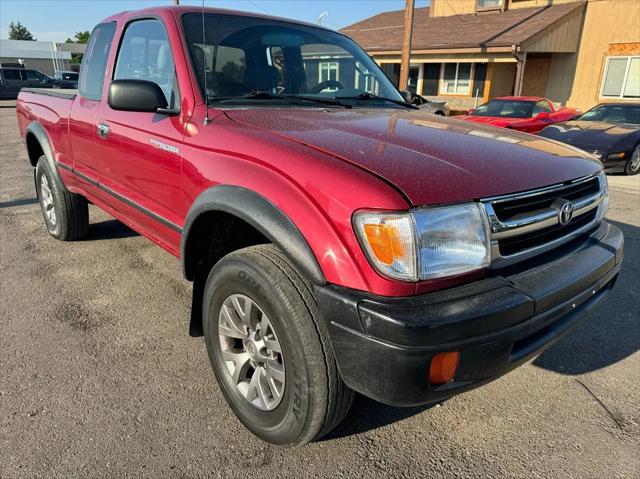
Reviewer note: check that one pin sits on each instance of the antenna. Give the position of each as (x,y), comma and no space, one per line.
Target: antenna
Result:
(207,120)
(321,17)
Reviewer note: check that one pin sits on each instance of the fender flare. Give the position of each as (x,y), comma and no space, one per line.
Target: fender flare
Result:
(37,130)
(260,213)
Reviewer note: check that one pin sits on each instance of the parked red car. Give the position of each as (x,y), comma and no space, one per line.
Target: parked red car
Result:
(523,113)
(338,238)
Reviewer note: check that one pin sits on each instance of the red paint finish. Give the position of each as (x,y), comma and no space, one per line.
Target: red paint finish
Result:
(532,125)
(318,166)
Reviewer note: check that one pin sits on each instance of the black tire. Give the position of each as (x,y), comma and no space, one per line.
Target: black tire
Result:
(314,399)
(71,212)
(631,168)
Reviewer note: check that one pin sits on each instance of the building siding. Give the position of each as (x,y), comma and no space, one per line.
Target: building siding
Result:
(575,79)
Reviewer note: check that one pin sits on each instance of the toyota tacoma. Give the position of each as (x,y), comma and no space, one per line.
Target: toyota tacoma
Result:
(338,239)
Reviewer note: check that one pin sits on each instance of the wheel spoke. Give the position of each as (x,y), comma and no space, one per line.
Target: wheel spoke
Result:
(229,325)
(264,391)
(272,344)
(252,391)
(275,370)
(241,363)
(244,311)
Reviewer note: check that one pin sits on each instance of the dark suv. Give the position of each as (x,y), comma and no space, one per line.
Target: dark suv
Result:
(12,80)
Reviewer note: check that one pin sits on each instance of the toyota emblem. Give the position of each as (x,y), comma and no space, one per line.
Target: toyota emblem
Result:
(565,213)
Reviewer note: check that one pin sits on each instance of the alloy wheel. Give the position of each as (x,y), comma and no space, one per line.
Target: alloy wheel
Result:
(47,200)
(251,352)
(635,160)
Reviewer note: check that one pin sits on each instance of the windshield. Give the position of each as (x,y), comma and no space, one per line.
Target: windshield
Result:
(505,108)
(614,114)
(243,55)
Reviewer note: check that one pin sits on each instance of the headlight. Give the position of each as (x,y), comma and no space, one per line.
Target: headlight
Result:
(426,243)
(604,187)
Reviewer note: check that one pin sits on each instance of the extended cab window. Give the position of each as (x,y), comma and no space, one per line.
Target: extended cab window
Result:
(11,74)
(145,54)
(541,106)
(94,61)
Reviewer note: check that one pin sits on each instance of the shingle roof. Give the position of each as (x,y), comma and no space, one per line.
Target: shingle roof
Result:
(383,32)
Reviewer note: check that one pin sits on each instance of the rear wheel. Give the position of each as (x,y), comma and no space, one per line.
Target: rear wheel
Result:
(633,165)
(270,350)
(66,214)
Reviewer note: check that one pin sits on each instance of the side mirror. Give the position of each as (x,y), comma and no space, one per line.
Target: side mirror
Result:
(137,95)
(407,96)
(543,115)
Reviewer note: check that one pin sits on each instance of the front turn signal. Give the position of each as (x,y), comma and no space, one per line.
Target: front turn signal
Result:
(443,367)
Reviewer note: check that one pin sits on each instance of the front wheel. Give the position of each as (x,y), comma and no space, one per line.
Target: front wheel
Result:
(633,165)
(270,350)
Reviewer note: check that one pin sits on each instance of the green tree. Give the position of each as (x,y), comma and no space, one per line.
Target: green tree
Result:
(17,31)
(80,37)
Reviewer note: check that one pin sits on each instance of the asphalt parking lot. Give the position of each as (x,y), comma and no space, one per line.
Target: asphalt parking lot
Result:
(99,378)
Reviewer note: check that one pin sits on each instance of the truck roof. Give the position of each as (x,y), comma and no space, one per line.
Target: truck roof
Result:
(176,11)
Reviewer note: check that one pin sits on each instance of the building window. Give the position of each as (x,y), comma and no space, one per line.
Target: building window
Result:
(488,4)
(328,71)
(621,78)
(456,79)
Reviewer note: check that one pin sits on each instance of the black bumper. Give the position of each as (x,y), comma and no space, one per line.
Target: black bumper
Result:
(383,346)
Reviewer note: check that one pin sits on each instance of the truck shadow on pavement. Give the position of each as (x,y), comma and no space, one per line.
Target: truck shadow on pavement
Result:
(612,332)
(367,415)
(109,229)
(18,202)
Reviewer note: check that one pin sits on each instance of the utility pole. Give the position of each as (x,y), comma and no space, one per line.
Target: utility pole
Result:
(406,45)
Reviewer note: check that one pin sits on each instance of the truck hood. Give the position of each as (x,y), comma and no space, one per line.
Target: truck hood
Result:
(430,159)
(598,135)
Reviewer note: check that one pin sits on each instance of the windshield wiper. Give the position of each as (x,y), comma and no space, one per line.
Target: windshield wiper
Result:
(366,96)
(266,95)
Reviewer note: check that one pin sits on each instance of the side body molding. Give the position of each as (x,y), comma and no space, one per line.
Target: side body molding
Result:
(37,131)
(262,215)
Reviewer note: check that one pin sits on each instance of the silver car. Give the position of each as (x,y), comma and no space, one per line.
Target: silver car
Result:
(431,106)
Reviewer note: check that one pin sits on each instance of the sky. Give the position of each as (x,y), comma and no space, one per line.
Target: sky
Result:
(55,20)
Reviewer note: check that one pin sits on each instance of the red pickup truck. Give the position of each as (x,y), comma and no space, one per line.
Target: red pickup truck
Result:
(337,238)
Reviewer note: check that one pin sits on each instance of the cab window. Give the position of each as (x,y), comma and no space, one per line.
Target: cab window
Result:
(33,75)
(94,61)
(145,54)
(11,74)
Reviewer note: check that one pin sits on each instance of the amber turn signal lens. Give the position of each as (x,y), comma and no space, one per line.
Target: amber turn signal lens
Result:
(443,367)
(385,242)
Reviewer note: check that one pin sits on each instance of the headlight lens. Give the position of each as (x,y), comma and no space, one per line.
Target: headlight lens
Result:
(452,240)
(604,187)
(427,243)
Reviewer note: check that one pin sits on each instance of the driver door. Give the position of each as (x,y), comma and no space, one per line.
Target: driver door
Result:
(139,153)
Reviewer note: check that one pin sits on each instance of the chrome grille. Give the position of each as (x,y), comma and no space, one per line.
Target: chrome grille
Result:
(526,224)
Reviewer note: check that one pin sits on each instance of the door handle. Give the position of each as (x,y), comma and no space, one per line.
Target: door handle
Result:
(103,130)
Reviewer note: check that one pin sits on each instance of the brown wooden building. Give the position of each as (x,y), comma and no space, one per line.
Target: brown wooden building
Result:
(577,53)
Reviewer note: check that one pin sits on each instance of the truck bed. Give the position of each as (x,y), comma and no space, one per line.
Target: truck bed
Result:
(55,92)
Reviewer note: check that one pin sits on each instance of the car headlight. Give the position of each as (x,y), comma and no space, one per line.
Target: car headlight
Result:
(426,243)
(604,187)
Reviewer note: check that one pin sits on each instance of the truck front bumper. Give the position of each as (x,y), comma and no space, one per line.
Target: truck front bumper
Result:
(384,346)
